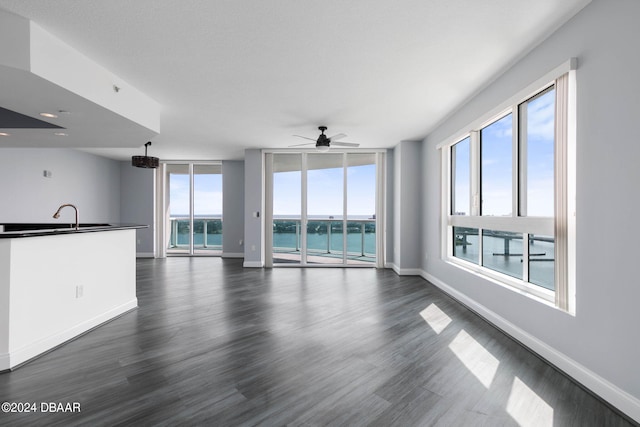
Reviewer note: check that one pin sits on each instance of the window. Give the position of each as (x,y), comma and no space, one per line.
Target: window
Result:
(509,193)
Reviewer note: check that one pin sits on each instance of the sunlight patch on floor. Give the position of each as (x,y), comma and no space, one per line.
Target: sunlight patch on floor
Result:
(527,408)
(435,318)
(475,357)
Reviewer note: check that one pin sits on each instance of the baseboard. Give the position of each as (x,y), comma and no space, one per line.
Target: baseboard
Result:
(232,254)
(609,392)
(404,271)
(145,255)
(253,264)
(18,357)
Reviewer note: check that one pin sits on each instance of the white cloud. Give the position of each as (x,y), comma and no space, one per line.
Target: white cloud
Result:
(541,117)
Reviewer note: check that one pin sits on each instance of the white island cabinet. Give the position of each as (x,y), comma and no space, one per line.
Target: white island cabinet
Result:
(58,284)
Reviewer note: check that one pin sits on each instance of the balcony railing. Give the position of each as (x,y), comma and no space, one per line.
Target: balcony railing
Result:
(207,233)
(325,238)
(504,252)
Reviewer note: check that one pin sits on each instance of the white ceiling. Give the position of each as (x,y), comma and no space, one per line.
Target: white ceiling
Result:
(232,75)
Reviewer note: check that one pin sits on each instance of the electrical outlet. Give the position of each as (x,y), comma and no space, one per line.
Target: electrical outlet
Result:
(79,291)
(253,247)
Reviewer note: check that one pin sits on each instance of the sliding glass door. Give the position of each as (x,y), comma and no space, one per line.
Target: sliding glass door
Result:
(321,208)
(194,205)
(287,208)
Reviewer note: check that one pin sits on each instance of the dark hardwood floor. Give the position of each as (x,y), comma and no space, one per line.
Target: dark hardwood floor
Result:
(215,344)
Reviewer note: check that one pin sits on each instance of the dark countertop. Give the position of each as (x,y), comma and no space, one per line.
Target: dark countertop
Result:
(15,230)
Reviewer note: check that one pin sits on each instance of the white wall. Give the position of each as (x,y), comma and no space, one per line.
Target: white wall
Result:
(406,207)
(389,208)
(233,209)
(253,233)
(14,41)
(90,182)
(137,204)
(600,345)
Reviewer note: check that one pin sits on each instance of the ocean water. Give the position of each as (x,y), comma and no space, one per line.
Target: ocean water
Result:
(541,265)
(287,241)
(326,235)
(319,242)
(213,240)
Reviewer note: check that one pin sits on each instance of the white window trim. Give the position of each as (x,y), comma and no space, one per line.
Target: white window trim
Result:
(562,226)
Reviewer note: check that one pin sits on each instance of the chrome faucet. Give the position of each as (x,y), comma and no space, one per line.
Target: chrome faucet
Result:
(57,214)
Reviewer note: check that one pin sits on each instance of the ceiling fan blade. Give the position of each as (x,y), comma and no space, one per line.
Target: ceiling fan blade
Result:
(304,137)
(345,144)
(338,136)
(300,145)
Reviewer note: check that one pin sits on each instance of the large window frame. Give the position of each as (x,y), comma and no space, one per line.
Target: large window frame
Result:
(561,226)
(379,214)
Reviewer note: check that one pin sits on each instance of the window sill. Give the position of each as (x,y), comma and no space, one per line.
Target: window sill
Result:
(541,295)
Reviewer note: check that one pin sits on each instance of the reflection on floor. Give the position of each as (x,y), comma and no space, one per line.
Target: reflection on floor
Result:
(294,258)
(215,344)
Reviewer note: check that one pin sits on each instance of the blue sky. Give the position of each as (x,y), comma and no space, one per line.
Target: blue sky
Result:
(496,152)
(207,197)
(325,189)
(287,193)
(324,192)
(540,170)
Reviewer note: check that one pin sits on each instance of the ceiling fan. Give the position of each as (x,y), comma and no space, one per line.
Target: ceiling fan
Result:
(324,142)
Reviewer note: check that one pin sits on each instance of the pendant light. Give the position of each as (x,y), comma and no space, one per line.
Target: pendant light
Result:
(145,161)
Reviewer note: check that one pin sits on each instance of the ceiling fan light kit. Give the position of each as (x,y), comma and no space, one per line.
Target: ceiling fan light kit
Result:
(323,143)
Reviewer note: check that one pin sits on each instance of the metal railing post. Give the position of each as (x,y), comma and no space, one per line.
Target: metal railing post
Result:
(362,231)
(329,237)
(297,236)
(204,238)
(174,233)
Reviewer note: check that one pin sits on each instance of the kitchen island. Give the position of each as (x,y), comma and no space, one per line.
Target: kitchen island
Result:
(57,282)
